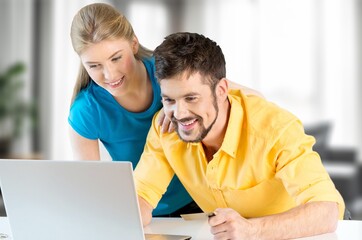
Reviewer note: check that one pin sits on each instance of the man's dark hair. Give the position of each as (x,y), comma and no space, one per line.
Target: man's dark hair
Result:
(190,53)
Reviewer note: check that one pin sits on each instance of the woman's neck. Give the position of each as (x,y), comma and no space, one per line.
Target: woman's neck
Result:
(140,93)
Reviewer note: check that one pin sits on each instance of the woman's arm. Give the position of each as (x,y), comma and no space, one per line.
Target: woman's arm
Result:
(245,90)
(83,148)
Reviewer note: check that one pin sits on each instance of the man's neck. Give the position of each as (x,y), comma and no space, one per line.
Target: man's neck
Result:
(214,139)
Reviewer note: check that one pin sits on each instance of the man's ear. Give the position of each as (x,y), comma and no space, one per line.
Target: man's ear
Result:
(135,45)
(222,89)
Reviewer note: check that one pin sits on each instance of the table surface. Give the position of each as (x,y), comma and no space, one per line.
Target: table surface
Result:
(347,230)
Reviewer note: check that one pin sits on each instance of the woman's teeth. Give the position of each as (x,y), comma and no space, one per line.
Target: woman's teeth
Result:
(115,83)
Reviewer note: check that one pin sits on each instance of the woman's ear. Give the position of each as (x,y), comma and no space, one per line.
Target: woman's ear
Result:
(135,45)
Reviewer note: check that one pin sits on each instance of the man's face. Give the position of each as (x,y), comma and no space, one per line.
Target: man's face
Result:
(191,105)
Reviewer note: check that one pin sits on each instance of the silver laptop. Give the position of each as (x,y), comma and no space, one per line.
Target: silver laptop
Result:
(46,199)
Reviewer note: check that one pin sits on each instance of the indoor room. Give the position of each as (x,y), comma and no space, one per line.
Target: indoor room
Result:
(302,55)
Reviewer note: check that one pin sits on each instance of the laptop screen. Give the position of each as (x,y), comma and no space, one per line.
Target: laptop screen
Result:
(48,199)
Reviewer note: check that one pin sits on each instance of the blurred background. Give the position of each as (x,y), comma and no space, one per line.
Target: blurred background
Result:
(304,55)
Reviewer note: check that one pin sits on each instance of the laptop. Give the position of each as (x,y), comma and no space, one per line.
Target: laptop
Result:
(48,199)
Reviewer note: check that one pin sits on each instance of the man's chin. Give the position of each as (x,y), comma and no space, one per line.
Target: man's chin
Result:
(188,139)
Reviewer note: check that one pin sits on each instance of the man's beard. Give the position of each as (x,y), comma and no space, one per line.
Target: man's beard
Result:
(203,131)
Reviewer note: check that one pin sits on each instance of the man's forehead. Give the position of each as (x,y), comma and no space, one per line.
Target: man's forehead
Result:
(181,85)
(187,76)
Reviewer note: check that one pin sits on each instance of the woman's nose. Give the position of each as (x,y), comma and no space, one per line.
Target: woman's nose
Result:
(109,72)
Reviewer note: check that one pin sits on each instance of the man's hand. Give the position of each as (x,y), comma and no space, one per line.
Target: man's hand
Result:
(165,122)
(228,224)
(146,211)
(314,217)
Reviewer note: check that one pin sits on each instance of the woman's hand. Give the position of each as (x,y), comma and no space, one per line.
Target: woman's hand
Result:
(165,122)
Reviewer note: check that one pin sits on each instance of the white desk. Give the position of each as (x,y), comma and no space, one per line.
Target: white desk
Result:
(199,230)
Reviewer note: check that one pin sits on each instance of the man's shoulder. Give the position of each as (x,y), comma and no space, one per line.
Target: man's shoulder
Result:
(260,113)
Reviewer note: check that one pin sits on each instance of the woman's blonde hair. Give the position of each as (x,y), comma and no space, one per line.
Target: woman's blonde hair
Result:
(94,23)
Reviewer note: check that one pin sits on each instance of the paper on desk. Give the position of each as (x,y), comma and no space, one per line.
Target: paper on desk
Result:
(166,237)
(196,216)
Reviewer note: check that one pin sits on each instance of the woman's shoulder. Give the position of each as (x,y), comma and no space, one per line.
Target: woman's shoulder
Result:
(150,67)
(150,61)
(92,95)
(88,101)
(84,98)
(82,107)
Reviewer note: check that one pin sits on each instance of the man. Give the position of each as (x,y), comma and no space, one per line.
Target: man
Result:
(240,157)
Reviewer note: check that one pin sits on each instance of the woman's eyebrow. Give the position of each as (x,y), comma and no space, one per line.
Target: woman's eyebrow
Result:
(91,62)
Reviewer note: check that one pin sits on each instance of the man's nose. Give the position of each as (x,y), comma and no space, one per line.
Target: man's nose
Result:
(180,110)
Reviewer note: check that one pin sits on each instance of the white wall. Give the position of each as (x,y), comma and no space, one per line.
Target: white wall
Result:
(16,46)
(65,64)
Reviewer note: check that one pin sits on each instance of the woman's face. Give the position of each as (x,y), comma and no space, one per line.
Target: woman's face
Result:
(111,64)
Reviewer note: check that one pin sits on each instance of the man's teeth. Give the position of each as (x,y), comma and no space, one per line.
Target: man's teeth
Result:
(188,122)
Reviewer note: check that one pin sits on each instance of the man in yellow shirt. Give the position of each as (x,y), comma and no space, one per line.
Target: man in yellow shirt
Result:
(242,158)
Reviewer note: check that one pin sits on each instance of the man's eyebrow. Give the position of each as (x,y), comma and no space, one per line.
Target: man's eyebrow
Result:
(90,62)
(191,94)
(185,95)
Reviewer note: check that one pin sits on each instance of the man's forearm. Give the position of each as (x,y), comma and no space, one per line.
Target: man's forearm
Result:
(146,211)
(306,220)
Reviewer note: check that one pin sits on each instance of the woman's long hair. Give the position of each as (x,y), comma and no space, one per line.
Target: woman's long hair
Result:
(93,24)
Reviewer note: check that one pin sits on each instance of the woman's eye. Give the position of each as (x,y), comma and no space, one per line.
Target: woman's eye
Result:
(116,58)
(92,66)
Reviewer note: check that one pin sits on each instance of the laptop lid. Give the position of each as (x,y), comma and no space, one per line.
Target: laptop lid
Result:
(48,199)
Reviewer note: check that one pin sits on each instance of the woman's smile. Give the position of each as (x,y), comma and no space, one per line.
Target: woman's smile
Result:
(116,84)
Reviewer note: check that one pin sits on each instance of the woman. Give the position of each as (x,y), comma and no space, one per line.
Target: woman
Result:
(116,95)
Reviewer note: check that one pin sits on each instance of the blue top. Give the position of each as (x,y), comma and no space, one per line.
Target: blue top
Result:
(95,114)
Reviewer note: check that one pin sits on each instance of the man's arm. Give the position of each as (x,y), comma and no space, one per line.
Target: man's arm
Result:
(146,211)
(152,174)
(305,220)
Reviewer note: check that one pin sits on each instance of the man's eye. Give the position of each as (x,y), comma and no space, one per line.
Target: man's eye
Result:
(167,100)
(191,99)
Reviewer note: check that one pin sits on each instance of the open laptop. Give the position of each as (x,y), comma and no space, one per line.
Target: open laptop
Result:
(47,199)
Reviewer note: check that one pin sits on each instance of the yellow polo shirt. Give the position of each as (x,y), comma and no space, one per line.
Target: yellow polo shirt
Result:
(265,165)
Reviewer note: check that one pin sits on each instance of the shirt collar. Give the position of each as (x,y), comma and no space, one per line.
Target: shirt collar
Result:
(233,132)
(234,128)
